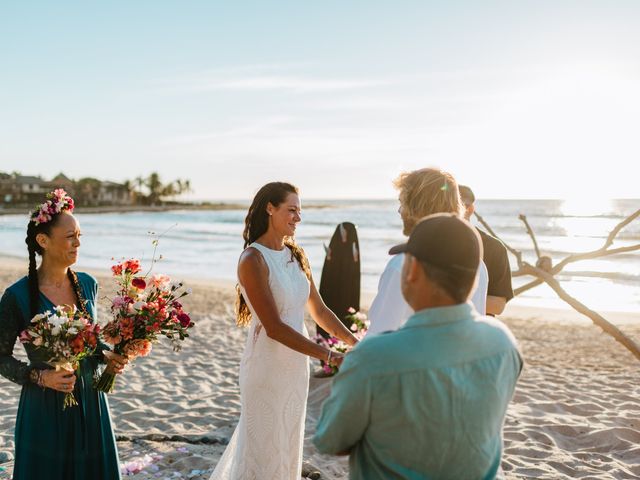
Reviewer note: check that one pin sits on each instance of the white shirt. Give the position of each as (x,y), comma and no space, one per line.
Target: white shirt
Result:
(389,310)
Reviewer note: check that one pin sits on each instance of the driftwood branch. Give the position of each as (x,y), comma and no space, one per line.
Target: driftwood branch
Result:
(516,253)
(614,233)
(598,319)
(524,220)
(545,272)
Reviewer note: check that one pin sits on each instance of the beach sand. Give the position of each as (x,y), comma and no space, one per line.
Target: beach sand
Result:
(575,414)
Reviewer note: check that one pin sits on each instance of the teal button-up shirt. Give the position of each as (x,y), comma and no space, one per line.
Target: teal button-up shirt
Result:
(426,401)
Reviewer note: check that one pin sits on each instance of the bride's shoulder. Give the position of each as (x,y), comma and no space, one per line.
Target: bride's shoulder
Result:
(251,256)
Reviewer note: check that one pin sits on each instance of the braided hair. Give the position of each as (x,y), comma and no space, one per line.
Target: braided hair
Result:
(256,224)
(33,247)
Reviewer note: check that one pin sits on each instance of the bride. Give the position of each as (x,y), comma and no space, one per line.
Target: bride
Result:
(275,284)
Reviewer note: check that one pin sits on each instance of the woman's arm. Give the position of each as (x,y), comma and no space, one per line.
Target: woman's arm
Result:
(10,327)
(253,274)
(327,319)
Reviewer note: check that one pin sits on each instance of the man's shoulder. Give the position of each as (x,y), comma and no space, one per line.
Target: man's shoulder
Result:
(491,242)
(375,346)
(495,330)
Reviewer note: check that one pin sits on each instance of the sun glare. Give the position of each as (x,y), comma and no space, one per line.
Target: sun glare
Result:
(586,206)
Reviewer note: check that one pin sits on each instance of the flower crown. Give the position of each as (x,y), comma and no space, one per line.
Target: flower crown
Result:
(58,201)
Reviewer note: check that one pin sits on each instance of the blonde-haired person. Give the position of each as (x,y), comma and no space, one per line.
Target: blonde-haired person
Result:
(422,192)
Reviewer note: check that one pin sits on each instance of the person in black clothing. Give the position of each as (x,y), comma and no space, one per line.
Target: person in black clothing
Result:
(496,259)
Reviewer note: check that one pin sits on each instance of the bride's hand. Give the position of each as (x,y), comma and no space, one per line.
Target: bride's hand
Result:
(336,359)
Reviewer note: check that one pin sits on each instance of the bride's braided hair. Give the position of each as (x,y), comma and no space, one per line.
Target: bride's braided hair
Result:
(256,224)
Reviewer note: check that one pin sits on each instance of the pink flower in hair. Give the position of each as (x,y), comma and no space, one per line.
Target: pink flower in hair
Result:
(42,218)
(57,201)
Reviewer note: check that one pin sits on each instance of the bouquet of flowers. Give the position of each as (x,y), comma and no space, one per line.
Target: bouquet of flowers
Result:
(359,323)
(359,326)
(144,309)
(64,336)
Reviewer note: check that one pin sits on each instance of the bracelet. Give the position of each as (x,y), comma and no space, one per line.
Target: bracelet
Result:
(329,357)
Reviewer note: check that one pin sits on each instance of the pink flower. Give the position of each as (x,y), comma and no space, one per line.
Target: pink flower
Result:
(42,218)
(119,302)
(160,280)
(138,348)
(354,327)
(351,311)
(25,337)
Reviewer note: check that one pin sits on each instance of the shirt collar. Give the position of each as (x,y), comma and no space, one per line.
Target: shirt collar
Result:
(440,315)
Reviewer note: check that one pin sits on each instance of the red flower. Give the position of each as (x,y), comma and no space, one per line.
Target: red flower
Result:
(139,283)
(77,344)
(184,319)
(132,266)
(117,269)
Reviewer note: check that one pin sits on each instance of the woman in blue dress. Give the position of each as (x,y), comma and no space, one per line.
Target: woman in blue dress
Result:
(52,443)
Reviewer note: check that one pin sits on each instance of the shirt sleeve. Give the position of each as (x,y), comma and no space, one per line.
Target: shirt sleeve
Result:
(389,310)
(500,274)
(345,414)
(10,327)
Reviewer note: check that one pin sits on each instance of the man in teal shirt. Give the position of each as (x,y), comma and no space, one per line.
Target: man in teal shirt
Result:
(427,401)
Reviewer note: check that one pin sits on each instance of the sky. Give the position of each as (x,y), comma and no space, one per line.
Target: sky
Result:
(528,99)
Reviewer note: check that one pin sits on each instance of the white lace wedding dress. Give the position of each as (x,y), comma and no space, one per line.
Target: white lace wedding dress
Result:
(274,382)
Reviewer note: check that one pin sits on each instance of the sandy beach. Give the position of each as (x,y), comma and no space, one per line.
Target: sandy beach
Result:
(575,414)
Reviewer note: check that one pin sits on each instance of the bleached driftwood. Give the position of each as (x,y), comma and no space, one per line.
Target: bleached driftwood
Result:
(544,272)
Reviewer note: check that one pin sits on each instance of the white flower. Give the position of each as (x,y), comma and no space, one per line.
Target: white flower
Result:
(40,316)
(55,331)
(57,321)
(72,331)
(138,305)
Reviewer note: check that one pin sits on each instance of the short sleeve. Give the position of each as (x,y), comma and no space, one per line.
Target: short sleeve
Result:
(389,310)
(10,327)
(499,272)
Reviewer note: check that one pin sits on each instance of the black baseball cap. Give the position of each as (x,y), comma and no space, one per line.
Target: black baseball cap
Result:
(446,241)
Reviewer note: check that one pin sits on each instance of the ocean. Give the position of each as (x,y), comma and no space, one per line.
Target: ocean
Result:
(206,244)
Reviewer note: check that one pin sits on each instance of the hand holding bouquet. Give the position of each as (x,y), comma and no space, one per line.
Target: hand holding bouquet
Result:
(144,309)
(64,336)
(359,326)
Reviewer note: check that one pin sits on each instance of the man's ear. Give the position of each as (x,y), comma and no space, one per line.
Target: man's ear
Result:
(470,210)
(412,268)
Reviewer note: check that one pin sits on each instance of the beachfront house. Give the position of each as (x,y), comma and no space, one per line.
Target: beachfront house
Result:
(111,193)
(22,189)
